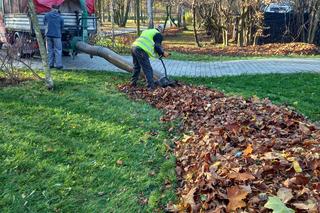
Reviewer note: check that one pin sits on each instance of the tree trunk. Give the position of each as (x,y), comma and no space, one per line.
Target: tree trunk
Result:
(195,24)
(184,23)
(314,22)
(241,30)
(109,11)
(138,16)
(126,14)
(42,48)
(225,37)
(112,21)
(235,29)
(167,17)
(150,13)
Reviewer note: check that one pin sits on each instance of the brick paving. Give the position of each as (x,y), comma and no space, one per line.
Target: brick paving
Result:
(200,69)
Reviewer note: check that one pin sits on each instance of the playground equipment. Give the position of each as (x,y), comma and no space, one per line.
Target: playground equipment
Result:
(80,23)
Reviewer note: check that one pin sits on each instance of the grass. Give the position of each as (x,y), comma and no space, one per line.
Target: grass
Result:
(59,150)
(207,58)
(300,91)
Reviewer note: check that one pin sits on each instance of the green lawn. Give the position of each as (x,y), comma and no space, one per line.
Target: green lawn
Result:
(206,57)
(300,91)
(59,150)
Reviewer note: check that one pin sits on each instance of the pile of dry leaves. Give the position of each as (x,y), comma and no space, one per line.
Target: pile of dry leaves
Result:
(258,50)
(239,154)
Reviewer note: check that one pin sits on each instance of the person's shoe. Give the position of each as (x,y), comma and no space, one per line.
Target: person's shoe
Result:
(60,68)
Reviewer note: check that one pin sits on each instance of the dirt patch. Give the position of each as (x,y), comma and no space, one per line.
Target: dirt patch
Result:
(239,153)
(258,50)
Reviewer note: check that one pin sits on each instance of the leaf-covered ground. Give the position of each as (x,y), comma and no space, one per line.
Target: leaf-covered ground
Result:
(258,50)
(239,153)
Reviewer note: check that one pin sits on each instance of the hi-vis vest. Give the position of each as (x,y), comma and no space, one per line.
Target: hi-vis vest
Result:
(145,41)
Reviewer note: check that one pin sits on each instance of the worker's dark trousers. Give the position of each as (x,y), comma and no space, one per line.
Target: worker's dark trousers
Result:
(54,48)
(141,61)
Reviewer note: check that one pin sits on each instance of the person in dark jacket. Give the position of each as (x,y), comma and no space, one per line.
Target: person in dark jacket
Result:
(145,47)
(54,26)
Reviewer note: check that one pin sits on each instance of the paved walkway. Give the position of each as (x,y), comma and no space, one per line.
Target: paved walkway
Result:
(201,69)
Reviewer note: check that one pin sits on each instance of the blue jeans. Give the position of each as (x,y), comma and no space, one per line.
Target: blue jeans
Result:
(141,61)
(54,48)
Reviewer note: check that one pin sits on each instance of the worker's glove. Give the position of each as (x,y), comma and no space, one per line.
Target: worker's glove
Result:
(166,54)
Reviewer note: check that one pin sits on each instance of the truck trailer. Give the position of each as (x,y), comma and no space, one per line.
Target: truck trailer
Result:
(80,23)
(15,24)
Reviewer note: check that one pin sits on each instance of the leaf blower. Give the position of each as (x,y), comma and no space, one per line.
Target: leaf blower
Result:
(165,81)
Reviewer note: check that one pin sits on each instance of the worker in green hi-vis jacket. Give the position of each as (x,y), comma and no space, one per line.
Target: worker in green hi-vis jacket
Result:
(144,48)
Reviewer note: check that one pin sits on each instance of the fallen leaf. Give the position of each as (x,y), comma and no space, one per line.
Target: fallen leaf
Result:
(189,199)
(277,205)
(152,173)
(297,166)
(101,193)
(297,180)
(236,195)
(285,194)
(241,176)
(119,162)
(304,128)
(309,205)
(247,152)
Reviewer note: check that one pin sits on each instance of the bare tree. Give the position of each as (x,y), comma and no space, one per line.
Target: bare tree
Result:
(194,14)
(150,13)
(138,16)
(121,12)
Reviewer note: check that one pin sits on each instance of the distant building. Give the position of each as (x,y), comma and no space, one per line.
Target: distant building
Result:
(278,23)
(278,8)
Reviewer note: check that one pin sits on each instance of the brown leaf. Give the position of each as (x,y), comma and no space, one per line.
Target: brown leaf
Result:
(119,162)
(241,176)
(304,128)
(189,199)
(285,194)
(309,205)
(235,196)
(297,180)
